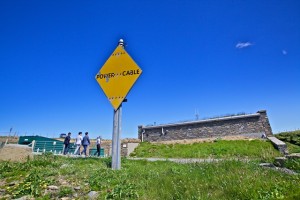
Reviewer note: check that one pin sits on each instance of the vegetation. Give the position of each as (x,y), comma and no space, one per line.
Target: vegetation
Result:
(291,137)
(140,179)
(293,148)
(144,180)
(293,164)
(253,149)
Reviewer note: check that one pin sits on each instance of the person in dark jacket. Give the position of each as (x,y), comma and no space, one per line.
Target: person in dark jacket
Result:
(67,143)
(85,143)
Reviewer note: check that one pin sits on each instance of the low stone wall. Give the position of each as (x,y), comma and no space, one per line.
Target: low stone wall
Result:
(280,145)
(251,124)
(127,146)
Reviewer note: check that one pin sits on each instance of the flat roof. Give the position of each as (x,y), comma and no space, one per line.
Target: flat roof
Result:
(202,121)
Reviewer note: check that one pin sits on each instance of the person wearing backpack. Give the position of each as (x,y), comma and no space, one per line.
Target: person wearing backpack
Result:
(85,143)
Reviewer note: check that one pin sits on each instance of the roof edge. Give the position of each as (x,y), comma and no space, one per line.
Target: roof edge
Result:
(202,121)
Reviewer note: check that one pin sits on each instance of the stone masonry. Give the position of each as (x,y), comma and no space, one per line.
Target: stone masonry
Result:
(249,125)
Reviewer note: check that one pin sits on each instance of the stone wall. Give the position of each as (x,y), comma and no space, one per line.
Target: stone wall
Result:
(251,124)
(127,146)
(280,145)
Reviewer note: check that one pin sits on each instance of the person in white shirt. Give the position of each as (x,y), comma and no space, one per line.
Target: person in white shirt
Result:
(98,143)
(78,143)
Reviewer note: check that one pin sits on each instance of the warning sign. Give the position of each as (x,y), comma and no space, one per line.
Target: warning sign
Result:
(117,76)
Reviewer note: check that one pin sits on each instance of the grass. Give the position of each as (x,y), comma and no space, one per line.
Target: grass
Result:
(292,137)
(140,179)
(145,180)
(292,148)
(252,149)
(293,164)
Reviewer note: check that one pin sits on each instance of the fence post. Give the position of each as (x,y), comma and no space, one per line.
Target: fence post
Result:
(32,146)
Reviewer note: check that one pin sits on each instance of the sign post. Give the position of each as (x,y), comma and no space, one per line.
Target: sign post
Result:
(116,78)
(116,142)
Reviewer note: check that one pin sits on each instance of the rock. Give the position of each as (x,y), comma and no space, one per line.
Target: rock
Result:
(279,161)
(23,198)
(92,194)
(280,145)
(65,198)
(52,187)
(13,183)
(294,156)
(77,188)
(287,171)
(266,165)
(63,182)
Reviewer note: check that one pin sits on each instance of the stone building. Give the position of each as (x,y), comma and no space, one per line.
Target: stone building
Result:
(253,125)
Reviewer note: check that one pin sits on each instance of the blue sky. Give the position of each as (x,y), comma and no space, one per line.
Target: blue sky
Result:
(216,57)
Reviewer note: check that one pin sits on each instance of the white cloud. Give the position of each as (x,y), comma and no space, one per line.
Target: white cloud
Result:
(284,52)
(242,45)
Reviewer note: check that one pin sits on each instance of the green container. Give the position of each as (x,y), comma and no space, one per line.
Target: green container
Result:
(43,144)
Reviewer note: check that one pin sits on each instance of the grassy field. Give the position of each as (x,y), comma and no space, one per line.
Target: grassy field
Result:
(140,179)
(253,149)
(145,180)
(292,139)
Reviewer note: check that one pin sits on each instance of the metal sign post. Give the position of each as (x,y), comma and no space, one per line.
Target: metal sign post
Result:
(116,78)
(116,141)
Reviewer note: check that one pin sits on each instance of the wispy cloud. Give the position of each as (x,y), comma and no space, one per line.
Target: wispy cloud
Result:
(242,45)
(284,52)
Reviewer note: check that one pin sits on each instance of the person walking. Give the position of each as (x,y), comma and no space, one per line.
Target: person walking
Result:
(85,142)
(78,144)
(67,143)
(98,143)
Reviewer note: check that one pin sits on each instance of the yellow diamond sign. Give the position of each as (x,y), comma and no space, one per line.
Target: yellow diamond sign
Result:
(117,76)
